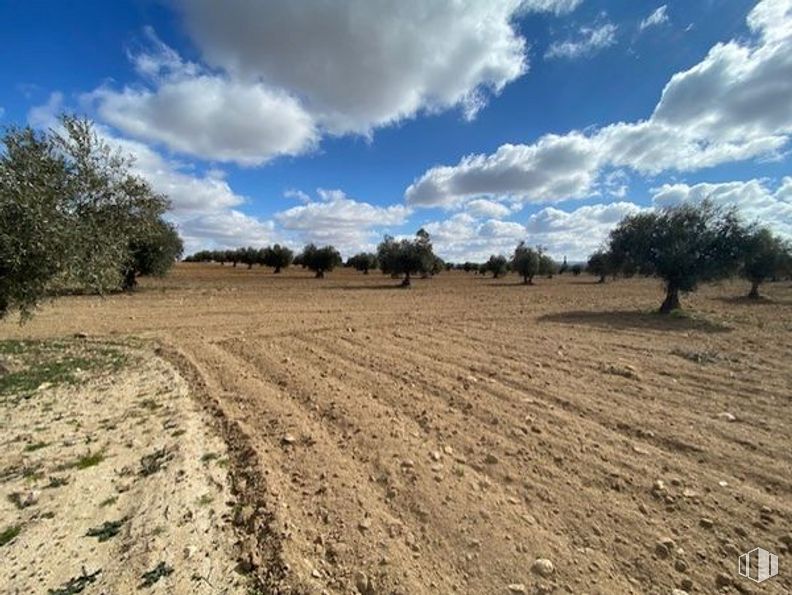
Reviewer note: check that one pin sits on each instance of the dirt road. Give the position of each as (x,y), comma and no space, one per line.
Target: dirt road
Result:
(444,438)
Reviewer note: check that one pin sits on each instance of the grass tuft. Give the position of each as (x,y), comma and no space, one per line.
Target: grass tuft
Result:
(8,534)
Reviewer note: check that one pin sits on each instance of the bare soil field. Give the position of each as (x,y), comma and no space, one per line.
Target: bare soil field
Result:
(442,439)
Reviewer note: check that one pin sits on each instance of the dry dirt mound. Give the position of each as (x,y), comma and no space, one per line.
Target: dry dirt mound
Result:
(110,481)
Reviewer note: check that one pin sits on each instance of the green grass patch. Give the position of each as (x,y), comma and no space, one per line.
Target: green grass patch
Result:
(205,500)
(84,462)
(36,446)
(108,501)
(54,362)
(8,534)
(209,457)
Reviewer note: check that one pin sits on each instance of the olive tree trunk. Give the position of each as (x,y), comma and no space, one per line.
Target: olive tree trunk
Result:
(754,293)
(671,301)
(406,282)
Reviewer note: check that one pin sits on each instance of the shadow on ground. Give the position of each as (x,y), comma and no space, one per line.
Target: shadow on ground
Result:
(744,300)
(631,319)
(395,285)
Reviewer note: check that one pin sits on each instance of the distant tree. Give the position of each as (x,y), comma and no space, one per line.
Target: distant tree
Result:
(234,256)
(599,264)
(249,256)
(763,257)
(547,266)
(320,260)
(278,257)
(363,262)
(526,262)
(564,267)
(406,257)
(684,245)
(438,266)
(576,269)
(497,265)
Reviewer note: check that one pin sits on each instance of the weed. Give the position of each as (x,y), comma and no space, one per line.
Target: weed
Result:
(108,501)
(8,534)
(150,464)
(76,585)
(150,404)
(209,457)
(107,530)
(150,578)
(57,482)
(36,446)
(700,357)
(84,462)
(205,500)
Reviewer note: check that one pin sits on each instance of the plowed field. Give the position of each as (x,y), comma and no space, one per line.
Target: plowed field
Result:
(443,438)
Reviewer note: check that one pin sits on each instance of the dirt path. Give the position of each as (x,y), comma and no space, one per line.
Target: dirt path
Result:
(111,481)
(444,439)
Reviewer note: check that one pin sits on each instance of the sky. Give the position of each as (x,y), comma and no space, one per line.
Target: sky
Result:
(485,122)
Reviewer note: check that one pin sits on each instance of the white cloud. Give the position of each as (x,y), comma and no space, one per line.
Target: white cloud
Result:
(46,115)
(205,115)
(463,237)
(756,202)
(487,208)
(734,105)
(555,168)
(658,17)
(360,65)
(348,224)
(590,40)
(576,234)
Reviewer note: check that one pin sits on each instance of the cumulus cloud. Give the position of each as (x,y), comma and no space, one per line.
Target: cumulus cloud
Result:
(754,199)
(204,114)
(487,208)
(360,65)
(734,105)
(348,224)
(576,234)
(463,237)
(589,41)
(658,17)
(554,168)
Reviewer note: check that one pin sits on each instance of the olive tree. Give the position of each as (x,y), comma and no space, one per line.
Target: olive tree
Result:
(547,266)
(526,262)
(406,257)
(152,253)
(320,260)
(497,265)
(363,262)
(72,216)
(684,245)
(763,257)
(278,257)
(599,264)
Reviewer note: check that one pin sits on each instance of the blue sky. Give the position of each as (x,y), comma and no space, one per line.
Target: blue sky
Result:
(338,122)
